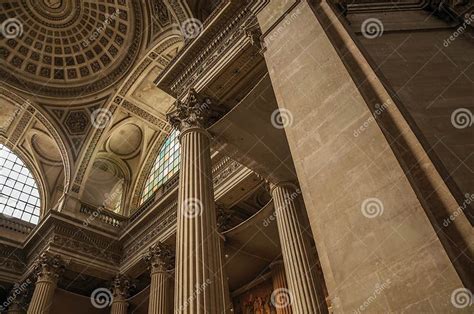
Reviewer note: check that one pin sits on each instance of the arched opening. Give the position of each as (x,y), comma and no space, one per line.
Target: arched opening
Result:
(105,186)
(19,194)
(165,166)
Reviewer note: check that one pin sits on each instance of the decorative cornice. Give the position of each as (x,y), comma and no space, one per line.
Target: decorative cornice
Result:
(195,57)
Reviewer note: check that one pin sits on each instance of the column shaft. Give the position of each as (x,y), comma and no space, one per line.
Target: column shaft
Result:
(160,291)
(296,253)
(42,297)
(198,280)
(119,307)
(279,283)
(48,269)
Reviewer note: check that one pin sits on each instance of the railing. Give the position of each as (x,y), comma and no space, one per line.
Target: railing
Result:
(15,224)
(101,214)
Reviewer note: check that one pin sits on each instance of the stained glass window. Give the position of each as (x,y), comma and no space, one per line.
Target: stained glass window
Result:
(165,166)
(19,195)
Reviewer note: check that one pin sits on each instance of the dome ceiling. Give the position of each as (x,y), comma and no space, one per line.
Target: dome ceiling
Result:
(67,48)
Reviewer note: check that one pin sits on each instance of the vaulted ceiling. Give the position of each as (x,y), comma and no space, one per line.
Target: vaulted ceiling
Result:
(80,74)
(72,48)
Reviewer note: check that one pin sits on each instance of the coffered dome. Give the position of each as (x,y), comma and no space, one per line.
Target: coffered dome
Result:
(67,48)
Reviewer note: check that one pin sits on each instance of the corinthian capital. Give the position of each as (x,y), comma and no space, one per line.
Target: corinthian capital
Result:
(121,286)
(160,257)
(48,267)
(196,111)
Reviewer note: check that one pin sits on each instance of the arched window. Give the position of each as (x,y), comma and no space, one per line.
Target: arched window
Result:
(19,195)
(165,166)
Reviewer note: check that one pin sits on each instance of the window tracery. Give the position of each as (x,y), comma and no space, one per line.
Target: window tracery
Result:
(19,194)
(165,166)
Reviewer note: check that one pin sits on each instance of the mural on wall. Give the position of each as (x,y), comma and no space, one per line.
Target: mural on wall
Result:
(256,300)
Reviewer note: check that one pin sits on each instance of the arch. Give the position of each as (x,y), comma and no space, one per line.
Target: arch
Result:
(27,105)
(20,196)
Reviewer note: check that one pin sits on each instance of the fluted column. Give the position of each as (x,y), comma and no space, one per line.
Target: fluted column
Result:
(161,260)
(279,286)
(296,252)
(198,284)
(47,269)
(120,292)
